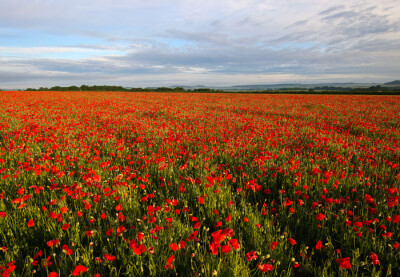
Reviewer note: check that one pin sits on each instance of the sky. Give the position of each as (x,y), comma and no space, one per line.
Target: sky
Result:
(137,43)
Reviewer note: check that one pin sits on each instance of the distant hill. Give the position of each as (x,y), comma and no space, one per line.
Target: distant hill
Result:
(285,87)
(393,83)
(288,86)
(294,86)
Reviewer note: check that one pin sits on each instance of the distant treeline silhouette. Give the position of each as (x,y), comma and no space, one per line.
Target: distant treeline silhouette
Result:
(373,90)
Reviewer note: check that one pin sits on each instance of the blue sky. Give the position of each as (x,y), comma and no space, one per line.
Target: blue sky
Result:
(184,42)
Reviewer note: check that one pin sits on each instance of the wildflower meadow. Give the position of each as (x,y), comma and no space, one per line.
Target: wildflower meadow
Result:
(191,184)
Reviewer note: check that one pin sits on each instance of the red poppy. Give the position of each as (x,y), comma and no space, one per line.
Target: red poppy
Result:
(291,241)
(174,247)
(108,257)
(53,242)
(374,258)
(169,262)
(7,271)
(31,223)
(344,262)
(273,244)
(226,249)
(251,256)
(78,269)
(120,229)
(109,232)
(182,244)
(234,243)
(66,250)
(140,236)
(265,267)
(320,217)
(138,249)
(318,245)
(214,247)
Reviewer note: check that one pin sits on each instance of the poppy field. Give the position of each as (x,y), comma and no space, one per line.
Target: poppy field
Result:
(179,184)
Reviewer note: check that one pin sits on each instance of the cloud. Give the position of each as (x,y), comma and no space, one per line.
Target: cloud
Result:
(332,9)
(132,40)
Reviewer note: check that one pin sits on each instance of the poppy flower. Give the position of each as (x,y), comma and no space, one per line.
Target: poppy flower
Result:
(344,262)
(320,217)
(53,242)
(374,258)
(169,262)
(7,272)
(292,241)
(138,249)
(265,267)
(273,244)
(118,208)
(140,236)
(66,250)
(174,247)
(251,256)
(201,200)
(79,269)
(108,257)
(109,232)
(31,223)
(214,247)
(226,249)
(182,244)
(234,243)
(120,229)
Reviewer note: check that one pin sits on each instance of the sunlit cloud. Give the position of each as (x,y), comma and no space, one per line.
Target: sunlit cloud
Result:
(189,42)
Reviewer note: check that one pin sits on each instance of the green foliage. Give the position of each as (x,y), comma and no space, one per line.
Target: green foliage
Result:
(373,90)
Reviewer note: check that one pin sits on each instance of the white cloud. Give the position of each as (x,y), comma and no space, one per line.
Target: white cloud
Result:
(240,41)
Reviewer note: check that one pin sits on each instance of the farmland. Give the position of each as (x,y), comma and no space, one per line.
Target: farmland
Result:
(166,184)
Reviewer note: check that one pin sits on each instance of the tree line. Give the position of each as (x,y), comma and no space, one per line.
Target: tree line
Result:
(373,90)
